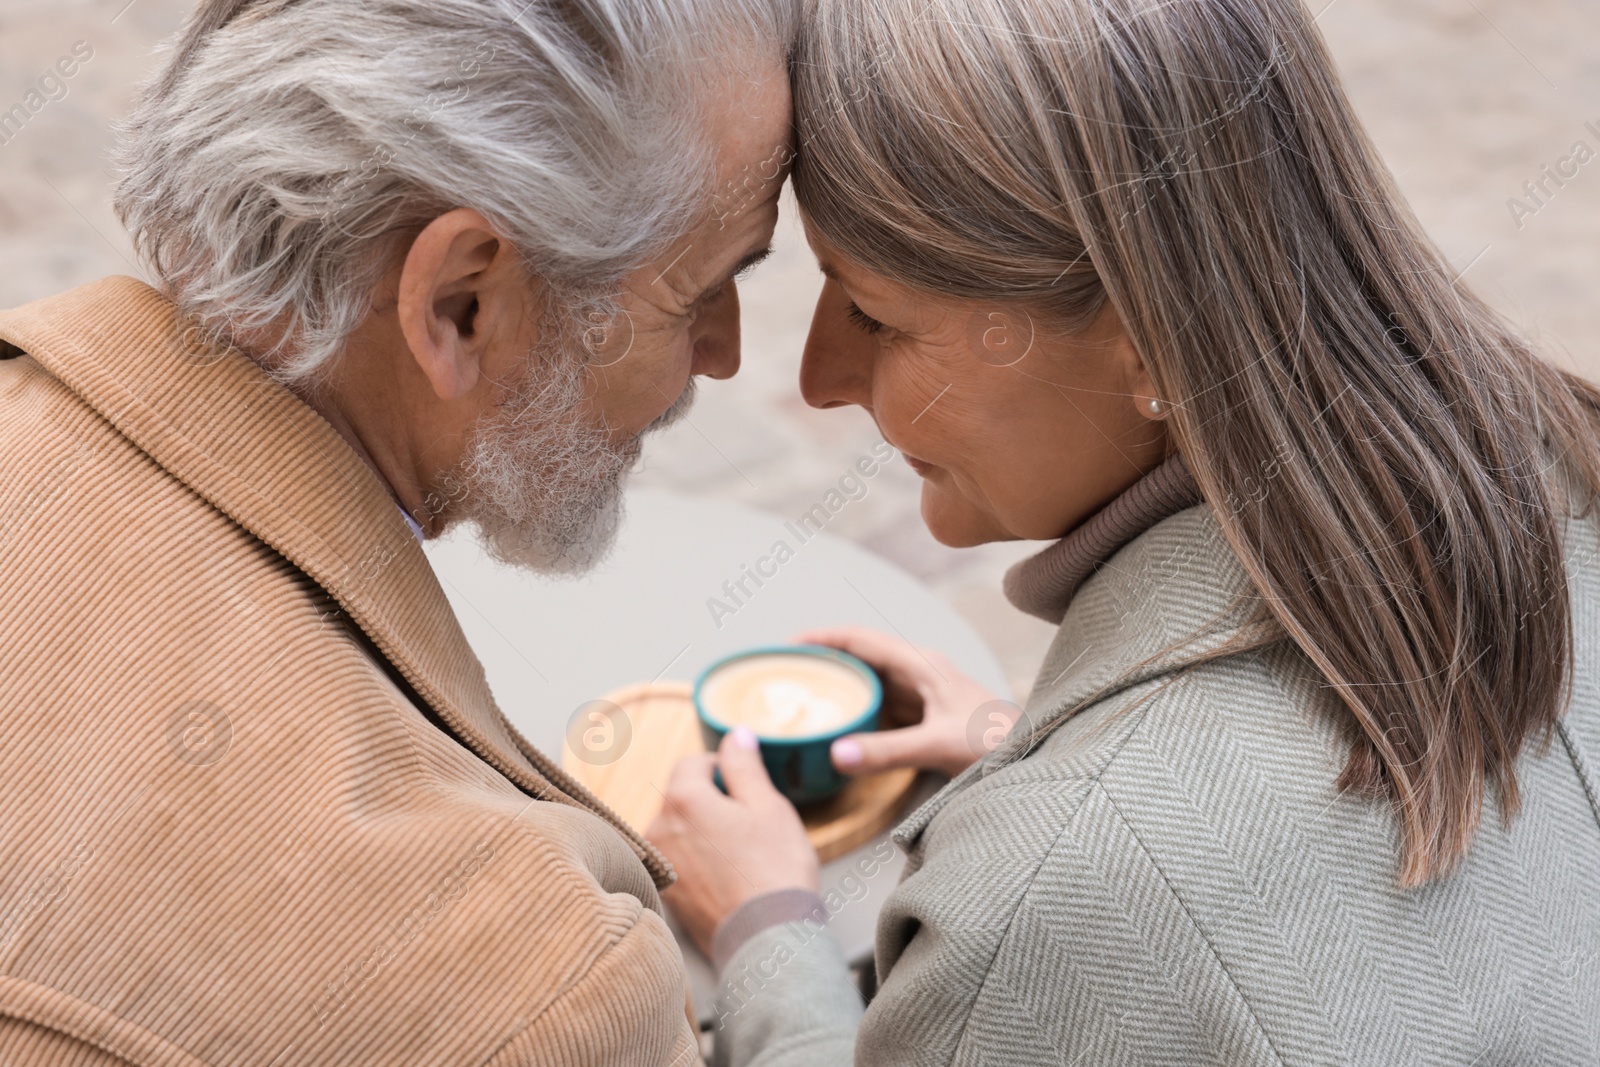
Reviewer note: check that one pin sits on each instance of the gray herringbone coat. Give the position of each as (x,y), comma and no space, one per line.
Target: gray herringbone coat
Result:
(1171,878)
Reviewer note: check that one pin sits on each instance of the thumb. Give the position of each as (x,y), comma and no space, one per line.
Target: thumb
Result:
(743,773)
(882,750)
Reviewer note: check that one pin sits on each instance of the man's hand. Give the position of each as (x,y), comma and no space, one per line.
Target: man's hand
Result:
(728,847)
(934,717)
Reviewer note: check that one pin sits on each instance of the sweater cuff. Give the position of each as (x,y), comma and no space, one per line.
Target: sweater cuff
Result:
(759,913)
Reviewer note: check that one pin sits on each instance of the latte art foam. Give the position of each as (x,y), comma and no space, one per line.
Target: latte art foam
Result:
(786,695)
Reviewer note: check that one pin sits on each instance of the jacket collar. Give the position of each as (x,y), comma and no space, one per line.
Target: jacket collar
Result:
(1173,597)
(1042,585)
(216,421)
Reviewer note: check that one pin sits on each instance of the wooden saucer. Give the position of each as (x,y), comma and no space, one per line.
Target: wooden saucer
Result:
(662,728)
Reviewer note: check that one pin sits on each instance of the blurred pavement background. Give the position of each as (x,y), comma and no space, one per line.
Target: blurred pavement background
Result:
(1467,99)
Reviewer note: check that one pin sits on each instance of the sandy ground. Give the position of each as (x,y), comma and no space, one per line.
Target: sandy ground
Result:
(1467,99)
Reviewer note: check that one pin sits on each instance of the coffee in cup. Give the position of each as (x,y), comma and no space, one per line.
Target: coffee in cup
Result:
(787,694)
(797,699)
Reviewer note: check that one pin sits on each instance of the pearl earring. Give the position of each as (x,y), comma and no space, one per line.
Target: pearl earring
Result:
(1155,406)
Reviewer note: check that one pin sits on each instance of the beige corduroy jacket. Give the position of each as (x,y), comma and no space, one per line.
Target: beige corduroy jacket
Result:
(257,804)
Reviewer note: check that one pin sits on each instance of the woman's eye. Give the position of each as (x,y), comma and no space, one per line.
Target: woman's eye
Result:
(863,321)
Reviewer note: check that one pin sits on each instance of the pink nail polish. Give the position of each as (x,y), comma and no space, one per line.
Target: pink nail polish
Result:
(745,738)
(846,753)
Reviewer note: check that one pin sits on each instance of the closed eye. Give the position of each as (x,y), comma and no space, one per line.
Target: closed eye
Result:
(866,323)
(740,273)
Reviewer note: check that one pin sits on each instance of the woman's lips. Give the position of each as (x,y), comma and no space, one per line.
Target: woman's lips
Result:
(918,465)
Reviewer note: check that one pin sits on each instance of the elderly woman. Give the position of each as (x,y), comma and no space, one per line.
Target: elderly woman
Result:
(1308,773)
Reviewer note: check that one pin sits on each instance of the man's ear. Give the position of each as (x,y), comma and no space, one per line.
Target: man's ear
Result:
(462,292)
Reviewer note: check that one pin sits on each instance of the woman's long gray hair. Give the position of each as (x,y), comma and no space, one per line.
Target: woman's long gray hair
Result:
(1196,163)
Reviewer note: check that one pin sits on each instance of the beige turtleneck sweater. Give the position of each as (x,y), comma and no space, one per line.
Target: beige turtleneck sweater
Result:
(1043,585)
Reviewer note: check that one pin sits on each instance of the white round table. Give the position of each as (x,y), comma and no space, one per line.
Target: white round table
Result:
(690,580)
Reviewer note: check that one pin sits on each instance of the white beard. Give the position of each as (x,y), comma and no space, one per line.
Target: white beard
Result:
(541,483)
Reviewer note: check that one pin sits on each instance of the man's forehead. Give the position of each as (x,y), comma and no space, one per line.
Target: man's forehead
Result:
(755,120)
(755,151)
(734,236)
(755,185)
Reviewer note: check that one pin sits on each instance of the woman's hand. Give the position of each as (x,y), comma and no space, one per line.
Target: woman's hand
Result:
(934,717)
(728,847)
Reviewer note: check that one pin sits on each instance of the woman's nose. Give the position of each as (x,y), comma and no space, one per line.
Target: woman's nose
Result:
(716,336)
(836,368)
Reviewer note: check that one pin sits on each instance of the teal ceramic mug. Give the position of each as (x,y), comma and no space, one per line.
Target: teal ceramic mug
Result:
(798,699)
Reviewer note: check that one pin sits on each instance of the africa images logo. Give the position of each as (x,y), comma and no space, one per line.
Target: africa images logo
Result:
(199,733)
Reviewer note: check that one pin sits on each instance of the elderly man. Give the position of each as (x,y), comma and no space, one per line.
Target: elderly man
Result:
(420,263)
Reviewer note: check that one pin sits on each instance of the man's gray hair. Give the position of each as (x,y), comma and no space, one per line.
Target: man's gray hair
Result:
(273,170)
